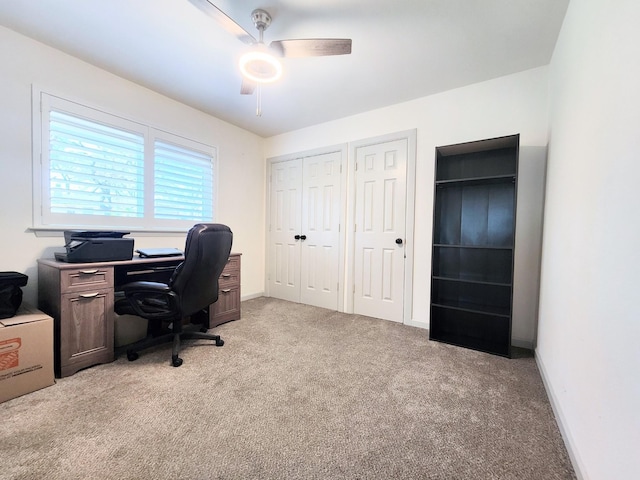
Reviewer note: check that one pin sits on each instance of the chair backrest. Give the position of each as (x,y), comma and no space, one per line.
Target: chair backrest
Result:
(206,253)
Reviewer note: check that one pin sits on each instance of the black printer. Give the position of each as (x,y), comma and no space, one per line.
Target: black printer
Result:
(95,246)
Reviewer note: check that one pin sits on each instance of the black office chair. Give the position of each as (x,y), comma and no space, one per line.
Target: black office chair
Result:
(192,288)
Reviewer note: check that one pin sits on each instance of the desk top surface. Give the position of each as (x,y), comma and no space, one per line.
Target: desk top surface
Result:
(135,260)
(51,262)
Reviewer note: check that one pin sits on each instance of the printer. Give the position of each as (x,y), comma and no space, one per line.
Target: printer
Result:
(95,246)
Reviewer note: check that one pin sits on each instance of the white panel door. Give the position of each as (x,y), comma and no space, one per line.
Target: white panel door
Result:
(320,235)
(285,221)
(304,237)
(380,229)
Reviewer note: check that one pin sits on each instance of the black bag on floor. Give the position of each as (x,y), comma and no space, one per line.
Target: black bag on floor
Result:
(11,293)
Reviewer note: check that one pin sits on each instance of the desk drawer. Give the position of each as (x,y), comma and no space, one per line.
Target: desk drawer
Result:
(86,278)
(232,264)
(145,272)
(227,307)
(229,279)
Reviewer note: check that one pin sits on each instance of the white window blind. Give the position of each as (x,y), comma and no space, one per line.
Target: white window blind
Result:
(183,183)
(96,170)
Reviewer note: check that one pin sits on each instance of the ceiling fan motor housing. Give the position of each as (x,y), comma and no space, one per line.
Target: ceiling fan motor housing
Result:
(260,65)
(261,19)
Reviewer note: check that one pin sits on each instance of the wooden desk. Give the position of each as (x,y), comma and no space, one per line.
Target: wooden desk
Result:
(80,298)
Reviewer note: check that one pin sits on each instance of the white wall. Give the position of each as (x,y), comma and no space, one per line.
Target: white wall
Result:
(241,182)
(589,326)
(504,106)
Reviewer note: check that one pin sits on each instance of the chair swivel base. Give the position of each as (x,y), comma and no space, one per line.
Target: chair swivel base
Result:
(176,361)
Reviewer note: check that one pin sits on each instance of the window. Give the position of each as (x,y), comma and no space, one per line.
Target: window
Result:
(183,183)
(97,170)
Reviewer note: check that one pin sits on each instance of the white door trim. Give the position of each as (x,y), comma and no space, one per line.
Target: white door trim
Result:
(411,137)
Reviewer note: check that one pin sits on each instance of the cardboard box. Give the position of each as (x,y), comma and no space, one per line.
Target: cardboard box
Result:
(26,353)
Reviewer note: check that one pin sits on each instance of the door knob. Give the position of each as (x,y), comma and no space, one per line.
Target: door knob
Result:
(297,237)
(399,241)
(303,237)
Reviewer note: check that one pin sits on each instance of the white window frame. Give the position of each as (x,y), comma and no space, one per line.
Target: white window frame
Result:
(43,103)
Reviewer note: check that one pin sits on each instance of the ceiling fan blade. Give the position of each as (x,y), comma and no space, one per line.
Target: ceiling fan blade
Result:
(225,21)
(247,87)
(312,47)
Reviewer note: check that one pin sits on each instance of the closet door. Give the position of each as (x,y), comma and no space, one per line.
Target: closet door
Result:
(320,247)
(379,264)
(285,219)
(304,245)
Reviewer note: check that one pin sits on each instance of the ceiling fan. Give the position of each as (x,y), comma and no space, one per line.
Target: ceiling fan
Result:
(261,65)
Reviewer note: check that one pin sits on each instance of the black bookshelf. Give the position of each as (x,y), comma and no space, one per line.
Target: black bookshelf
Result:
(473,244)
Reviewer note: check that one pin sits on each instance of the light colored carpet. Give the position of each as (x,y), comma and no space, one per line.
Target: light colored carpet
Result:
(297,392)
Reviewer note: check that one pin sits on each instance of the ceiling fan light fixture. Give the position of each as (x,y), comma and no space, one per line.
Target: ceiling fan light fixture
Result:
(260,67)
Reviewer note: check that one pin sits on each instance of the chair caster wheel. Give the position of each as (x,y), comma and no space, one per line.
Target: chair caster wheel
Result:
(176,361)
(219,342)
(131,356)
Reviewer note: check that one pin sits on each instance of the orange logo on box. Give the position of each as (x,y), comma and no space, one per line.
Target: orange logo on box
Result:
(9,353)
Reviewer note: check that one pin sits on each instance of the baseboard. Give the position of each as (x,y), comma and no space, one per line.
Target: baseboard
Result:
(578,466)
(251,296)
(416,323)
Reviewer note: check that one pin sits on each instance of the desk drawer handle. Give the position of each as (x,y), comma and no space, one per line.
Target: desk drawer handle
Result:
(225,290)
(89,295)
(89,272)
(226,275)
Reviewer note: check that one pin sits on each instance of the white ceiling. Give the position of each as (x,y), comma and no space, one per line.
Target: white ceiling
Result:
(402,49)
